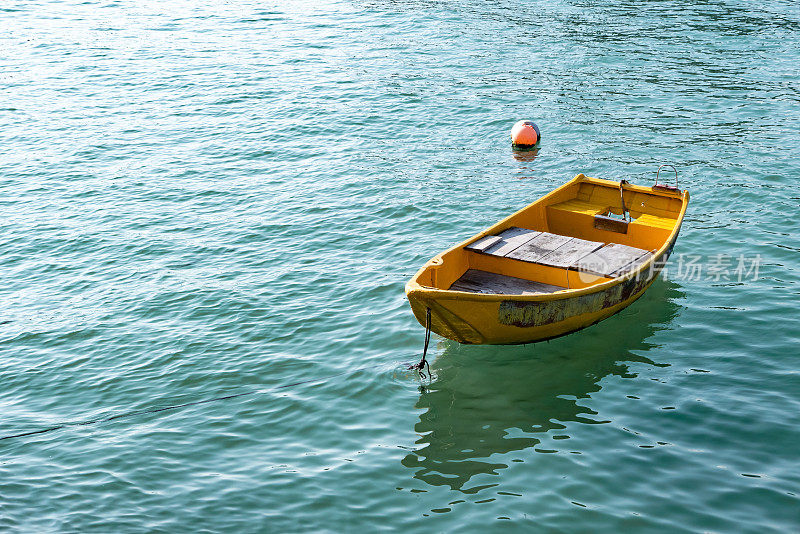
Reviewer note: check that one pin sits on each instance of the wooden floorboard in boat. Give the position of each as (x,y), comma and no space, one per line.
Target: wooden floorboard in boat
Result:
(475,281)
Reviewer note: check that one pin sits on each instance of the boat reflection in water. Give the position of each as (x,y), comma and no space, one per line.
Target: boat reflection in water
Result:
(488,401)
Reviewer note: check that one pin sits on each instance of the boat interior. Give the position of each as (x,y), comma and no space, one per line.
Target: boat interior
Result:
(588,232)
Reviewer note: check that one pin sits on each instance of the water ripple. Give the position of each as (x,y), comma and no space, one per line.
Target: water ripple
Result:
(213,199)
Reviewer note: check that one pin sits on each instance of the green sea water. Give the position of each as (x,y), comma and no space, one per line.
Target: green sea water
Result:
(207,199)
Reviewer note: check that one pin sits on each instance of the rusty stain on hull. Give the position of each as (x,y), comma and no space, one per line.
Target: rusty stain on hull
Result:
(526,314)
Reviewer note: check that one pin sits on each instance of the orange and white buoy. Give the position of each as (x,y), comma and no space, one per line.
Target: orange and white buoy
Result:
(525,134)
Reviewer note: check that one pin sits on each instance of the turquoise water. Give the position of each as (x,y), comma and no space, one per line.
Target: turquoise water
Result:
(206,199)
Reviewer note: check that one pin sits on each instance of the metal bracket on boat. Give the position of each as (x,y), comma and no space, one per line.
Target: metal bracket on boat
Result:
(604,221)
(666,187)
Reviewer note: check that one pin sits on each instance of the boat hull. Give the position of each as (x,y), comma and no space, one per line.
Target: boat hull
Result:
(510,321)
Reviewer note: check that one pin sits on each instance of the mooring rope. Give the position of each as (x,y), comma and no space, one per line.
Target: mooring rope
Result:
(625,211)
(423,363)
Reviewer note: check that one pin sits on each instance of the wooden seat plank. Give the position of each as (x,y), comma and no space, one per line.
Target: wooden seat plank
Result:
(483,243)
(578,206)
(476,281)
(632,265)
(511,239)
(554,250)
(570,253)
(611,259)
(538,247)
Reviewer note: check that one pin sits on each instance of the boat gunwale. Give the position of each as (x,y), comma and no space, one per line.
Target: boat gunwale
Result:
(421,291)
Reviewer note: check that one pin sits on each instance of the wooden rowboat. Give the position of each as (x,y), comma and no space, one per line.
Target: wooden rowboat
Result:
(574,257)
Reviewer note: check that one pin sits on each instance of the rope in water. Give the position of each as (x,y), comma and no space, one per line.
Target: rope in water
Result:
(423,363)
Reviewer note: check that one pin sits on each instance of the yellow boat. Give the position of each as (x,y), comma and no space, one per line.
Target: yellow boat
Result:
(574,257)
